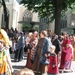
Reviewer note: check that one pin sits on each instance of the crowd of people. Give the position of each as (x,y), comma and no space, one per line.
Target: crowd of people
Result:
(51,53)
(47,52)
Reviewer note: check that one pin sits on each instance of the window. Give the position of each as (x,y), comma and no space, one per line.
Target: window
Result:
(44,23)
(44,20)
(63,20)
(27,16)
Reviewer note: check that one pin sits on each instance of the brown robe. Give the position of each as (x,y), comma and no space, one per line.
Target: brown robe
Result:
(37,66)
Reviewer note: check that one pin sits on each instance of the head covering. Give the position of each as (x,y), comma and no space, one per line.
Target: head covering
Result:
(4,36)
(22,33)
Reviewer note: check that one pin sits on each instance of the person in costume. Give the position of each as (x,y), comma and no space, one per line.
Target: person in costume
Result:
(73,44)
(33,43)
(64,43)
(40,64)
(53,65)
(68,57)
(5,65)
(28,40)
(67,53)
(5,38)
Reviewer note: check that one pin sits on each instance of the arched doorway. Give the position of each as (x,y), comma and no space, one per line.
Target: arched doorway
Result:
(3,24)
(27,17)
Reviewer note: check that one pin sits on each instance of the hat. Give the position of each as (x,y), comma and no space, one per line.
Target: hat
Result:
(21,32)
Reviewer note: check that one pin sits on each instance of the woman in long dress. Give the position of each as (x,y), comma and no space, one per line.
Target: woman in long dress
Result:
(28,39)
(40,64)
(66,55)
(33,43)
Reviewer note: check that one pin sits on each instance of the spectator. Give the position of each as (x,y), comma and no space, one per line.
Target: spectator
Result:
(68,56)
(10,34)
(24,71)
(20,48)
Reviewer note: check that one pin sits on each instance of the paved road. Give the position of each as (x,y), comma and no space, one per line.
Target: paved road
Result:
(21,64)
(18,65)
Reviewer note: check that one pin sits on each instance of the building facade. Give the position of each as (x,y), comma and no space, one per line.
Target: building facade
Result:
(17,13)
(12,13)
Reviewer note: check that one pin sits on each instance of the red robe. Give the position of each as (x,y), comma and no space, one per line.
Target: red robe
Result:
(28,63)
(63,54)
(68,53)
(53,62)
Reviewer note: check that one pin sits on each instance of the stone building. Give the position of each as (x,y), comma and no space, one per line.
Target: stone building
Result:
(19,15)
(13,14)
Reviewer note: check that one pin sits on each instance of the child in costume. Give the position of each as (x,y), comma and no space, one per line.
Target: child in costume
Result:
(53,65)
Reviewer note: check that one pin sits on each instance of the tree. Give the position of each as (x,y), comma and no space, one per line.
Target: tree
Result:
(5,13)
(50,8)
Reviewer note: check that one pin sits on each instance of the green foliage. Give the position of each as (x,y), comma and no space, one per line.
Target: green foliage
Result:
(26,26)
(36,28)
(67,4)
(46,7)
(49,8)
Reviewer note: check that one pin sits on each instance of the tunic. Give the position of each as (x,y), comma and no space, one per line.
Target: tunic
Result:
(53,66)
(63,54)
(31,51)
(66,56)
(37,66)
